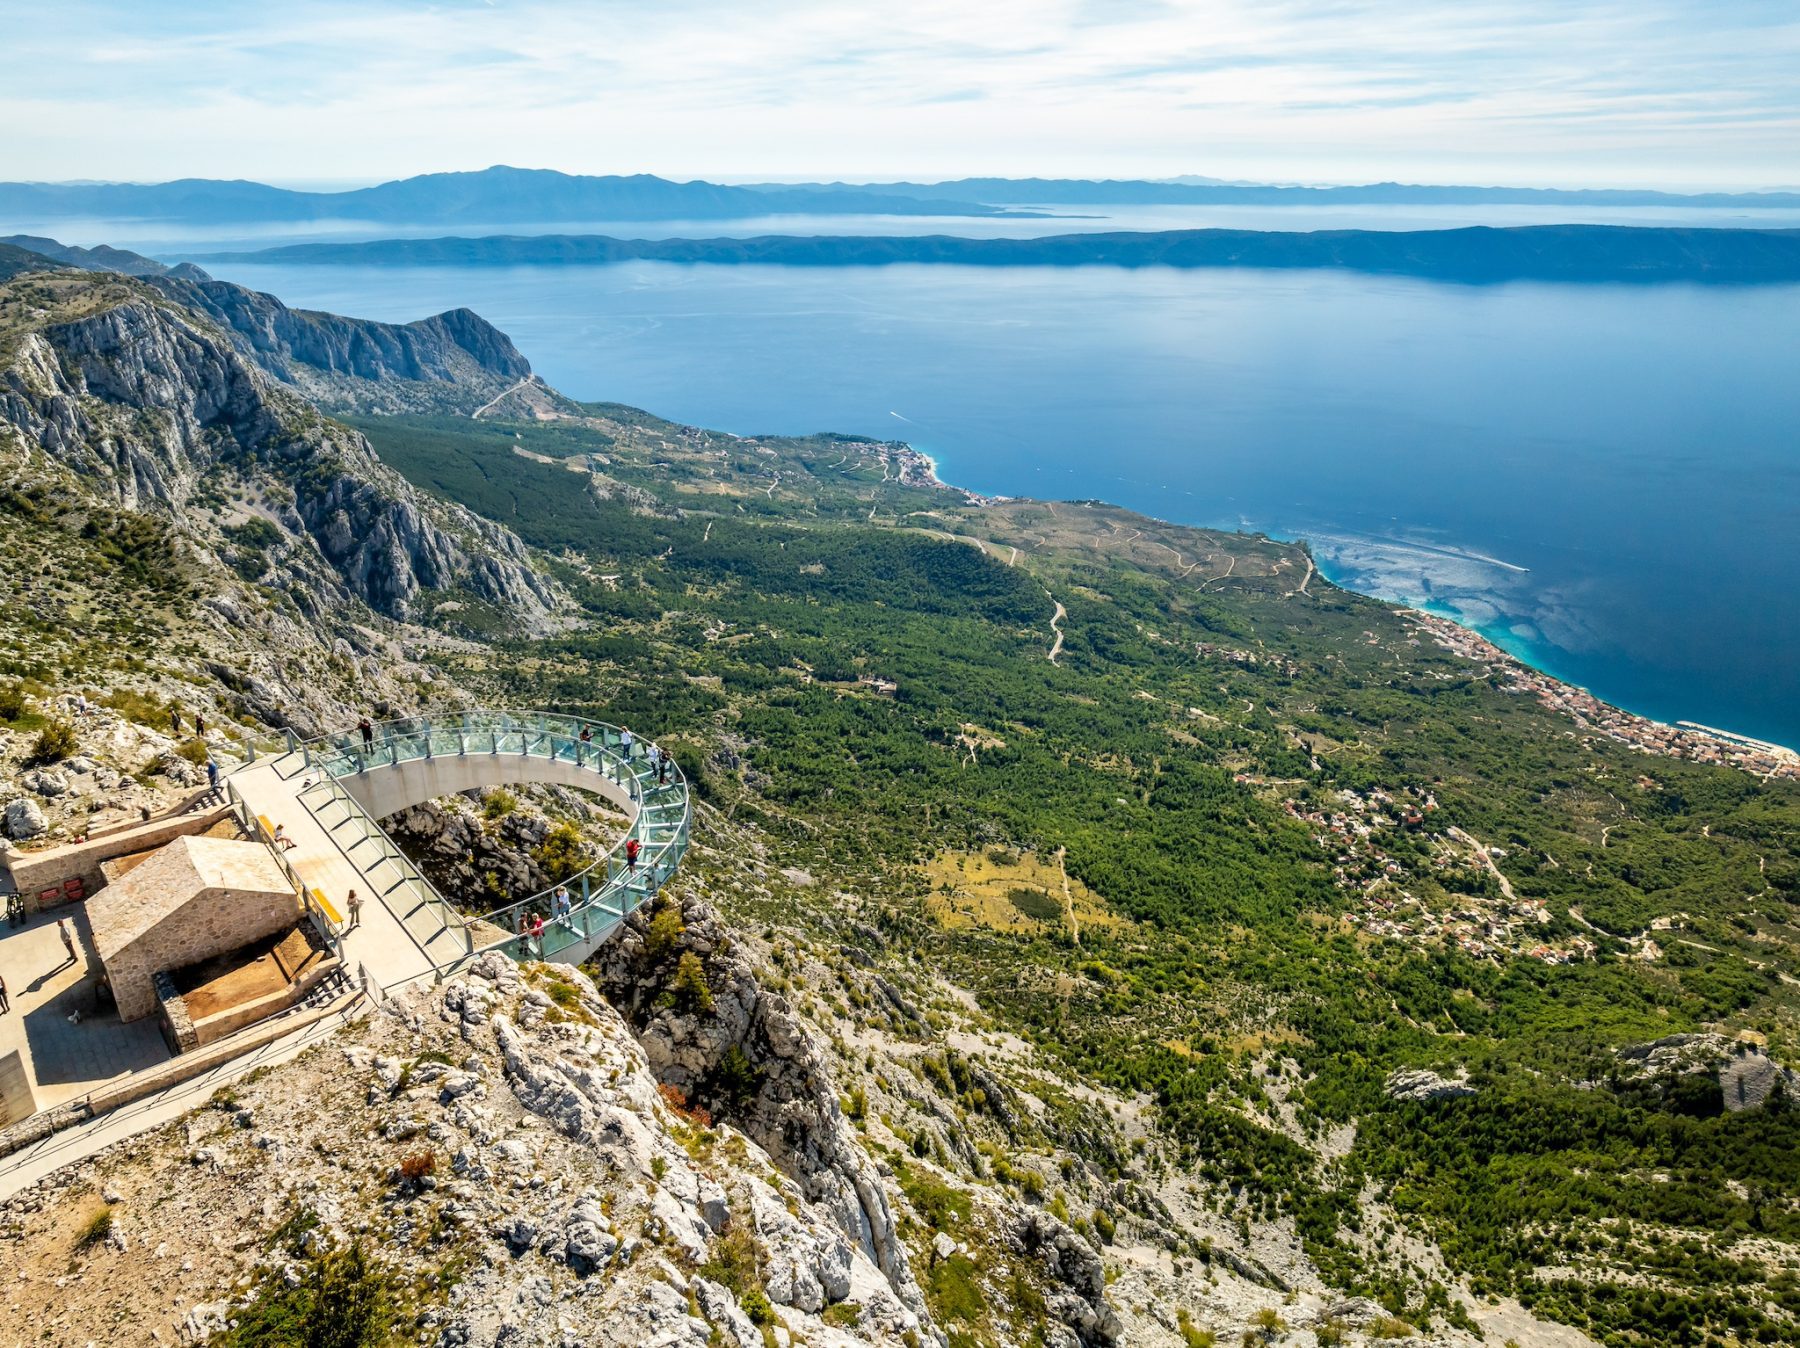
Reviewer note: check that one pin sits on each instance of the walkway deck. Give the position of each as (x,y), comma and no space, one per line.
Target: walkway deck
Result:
(327,795)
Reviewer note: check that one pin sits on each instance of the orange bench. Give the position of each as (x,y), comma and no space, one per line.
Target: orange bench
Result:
(328,908)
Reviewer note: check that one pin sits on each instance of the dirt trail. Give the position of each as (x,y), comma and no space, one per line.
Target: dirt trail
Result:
(1056,627)
(499,398)
(1068,899)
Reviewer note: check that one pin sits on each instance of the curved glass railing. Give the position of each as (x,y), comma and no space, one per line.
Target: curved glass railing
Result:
(599,897)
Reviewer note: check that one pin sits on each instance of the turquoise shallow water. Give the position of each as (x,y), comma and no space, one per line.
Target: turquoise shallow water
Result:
(1604,479)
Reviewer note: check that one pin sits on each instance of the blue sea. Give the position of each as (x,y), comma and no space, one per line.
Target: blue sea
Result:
(1604,479)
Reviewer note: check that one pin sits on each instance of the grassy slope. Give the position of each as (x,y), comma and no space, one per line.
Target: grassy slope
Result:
(738,588)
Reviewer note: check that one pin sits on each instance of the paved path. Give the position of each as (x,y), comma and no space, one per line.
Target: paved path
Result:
(382,943)
(65,1059)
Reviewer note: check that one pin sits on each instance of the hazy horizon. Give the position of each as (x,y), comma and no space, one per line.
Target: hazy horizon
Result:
(1668,93)
(334,185)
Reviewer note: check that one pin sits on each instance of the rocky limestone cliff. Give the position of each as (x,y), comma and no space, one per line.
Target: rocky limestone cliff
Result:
(452,361)
(742,1053)
(147,402)
(501,1147)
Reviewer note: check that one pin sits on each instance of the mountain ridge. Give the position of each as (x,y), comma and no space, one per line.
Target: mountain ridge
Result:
(1476,254)
(495,195)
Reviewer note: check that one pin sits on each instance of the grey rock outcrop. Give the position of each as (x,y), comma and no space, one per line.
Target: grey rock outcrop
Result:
(776,1087)
(1745,1074)
(147,401)
(25,820)
(1419,1084)
(454,360)
(1071,1264)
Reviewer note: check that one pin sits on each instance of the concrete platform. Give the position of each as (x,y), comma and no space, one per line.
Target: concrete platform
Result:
(62,1059)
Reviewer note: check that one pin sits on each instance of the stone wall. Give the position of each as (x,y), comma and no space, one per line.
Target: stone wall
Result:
(171,1008)
(33,872)
(209,924)
(211,1029)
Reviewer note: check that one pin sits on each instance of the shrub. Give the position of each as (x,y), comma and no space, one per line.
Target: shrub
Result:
(136,706)
(676,1099)
(666,930)
(757,1307)
(688,987)
(498,803)
(734,1265)
(563,994)
(98,1228)
(1103,1225)
(1191,1335)
(54,742)
(343,1300)
(561,854)
(954,1288)
(193,750)
(416,1165)
(12,701)
(938,1203)
(844,1315)
(1330,1333)
(736,1078)
(1391,1327)
(1268,1322)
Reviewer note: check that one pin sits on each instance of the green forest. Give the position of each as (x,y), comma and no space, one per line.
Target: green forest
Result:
(740,594)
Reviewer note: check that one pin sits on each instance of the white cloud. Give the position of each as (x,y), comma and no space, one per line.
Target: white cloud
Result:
(1661,91)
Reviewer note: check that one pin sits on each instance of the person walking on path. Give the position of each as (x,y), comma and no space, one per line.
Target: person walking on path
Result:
(368,734)
(68,940)
(5,1001)
(631,855)
(199,726)
(354,903)
(662,768)
(175,721)
(212,776)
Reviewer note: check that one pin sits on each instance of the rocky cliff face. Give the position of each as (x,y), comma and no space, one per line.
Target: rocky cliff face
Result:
(452,361)
(741,1052)
(147,402)
(501,1150)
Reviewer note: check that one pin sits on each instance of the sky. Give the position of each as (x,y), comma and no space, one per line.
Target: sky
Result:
(1677,94)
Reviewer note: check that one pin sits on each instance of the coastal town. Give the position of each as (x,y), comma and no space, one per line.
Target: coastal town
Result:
(1686,740)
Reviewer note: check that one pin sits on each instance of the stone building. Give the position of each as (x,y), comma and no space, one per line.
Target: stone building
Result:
(189,901)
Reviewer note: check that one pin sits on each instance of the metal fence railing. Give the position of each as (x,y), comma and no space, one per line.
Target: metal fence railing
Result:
(599,896)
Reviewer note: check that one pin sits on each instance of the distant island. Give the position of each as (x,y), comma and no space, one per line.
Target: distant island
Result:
(1201,192)
(498,195)
(1576,253)
(505,195)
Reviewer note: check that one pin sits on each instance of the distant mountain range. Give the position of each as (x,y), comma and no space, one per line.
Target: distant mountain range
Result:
(1539,252)
(1200,192)
(498,195)
(503,195)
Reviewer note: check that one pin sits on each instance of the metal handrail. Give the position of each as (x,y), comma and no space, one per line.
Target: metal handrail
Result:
(552,735)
